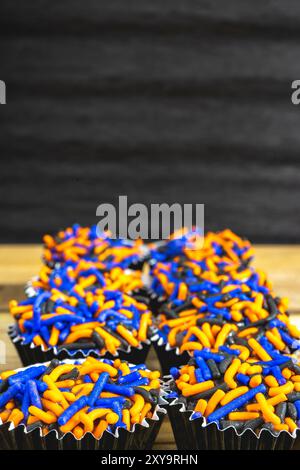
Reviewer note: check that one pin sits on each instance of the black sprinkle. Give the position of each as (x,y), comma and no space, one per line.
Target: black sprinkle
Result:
(169,313)
(260,334)
(280,410)
(225,364)
(216,374)
(4,386)
(155,392)
(295,368)
(146,395)
(142,299)
(52,426)
(179,338)
(294,396)
(211,321)
(98,340)
(123,341)
(72,375)
(127,404)
(286,364)
(272,307)
(292,411)
(76,346)
(185,306)
(242,342)
(53,364)
(192,362)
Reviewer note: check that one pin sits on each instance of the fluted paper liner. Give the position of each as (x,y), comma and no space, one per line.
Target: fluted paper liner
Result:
(31,354)
(209,436)
(140,437)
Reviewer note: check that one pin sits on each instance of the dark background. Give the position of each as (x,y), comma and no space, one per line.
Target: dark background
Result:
(164,101)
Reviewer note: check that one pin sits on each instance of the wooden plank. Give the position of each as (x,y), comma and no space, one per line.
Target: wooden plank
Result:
(11,360)
(165,438)
(9,292)
(18,263)
(282,264)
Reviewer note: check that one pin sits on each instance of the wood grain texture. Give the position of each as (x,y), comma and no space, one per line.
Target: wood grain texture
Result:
(162,101)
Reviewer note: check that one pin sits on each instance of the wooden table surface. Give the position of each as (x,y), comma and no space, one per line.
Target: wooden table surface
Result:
(18,263)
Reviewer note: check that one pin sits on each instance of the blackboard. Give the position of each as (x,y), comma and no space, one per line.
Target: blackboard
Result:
(164,101)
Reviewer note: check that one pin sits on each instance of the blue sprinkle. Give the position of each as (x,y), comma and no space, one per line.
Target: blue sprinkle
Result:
(235,404)
(98,387)
(73,408)
(206,354)
(198,376)
(174,371)
(127,379)
(34,394)
(297,405)
(119,390)
(276,371)
(205,370)
(10,393)
(243,379)
(233,352)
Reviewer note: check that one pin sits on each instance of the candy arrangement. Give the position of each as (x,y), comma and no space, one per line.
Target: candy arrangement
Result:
(87,397)
(85,298)
(82,277)
(215,322)
(214,251)
(84,243)
(245,393)
(224,315)
(104,321)
(229,304)
(239,318)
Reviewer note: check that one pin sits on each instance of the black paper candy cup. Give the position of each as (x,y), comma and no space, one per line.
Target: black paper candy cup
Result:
(141,437)
(203,436)
(31,354)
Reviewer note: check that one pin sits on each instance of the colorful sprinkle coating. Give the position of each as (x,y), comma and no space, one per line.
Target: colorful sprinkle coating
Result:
(244,393)
(79,397)
(90,295)
(239,317)
(86,276)
(219,251)
(178,279)
(76,242)
(211,302)
(238,333)
(100,320)
(86,296)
